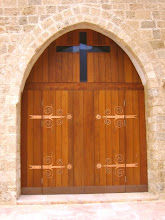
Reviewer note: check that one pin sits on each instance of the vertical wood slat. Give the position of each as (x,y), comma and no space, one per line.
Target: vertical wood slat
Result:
(37,143)
(24,122)
(101,67)
(102,137)
(97,137)
(115,136)
(58,67)
(76,67)
(129,137)
(108,138)
(30,139)
(45,139)
(65,138)
(127,69)
(88,135)
(114,62)
(136,138)
(70,140)
(51,136)
(58,143)
(78,138)
(51,62)
(121,130)
(45,65)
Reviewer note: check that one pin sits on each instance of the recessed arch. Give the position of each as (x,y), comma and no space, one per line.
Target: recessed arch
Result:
(112,95)
(51,28)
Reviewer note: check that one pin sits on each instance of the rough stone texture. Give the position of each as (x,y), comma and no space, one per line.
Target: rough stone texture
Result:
(27,27)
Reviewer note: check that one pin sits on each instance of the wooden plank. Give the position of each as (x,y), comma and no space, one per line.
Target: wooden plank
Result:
(37,143)
(121,97)
(45,65)
(37,71)
(70,140)
(90,67)
(51,62)
(143,150)
(88,134)
(101,67)
(108,73)
(70,67)
(115,137)
(108,138)
(135,75)
(64,59)
(58,67)
(102,137)
(127,68)
(76,67)
(30,137)
(97,137)
(129,137)
(65,138)
(78,138)
(114,62)
(96,66)
(69,39)
(24,119)
(121,64)
(83,86)
(136,133)
(45,140)
(51,135)
(58,128)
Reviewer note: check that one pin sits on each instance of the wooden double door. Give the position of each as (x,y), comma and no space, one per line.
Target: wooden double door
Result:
(83,137)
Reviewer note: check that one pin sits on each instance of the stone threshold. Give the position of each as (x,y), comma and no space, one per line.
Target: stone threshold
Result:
(85,198)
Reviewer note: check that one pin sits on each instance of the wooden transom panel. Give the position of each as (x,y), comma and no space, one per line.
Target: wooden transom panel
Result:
(83,136)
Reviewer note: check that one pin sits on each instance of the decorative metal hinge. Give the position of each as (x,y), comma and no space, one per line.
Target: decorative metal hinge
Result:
(119,165)
(48,117)
(118,117)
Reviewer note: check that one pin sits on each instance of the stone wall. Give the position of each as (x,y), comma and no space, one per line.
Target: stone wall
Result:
(27,27)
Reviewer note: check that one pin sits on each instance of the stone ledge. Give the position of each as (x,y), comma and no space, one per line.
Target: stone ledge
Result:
(85,198)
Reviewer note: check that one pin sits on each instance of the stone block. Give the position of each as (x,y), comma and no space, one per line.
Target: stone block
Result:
(9,3)
(23,20)
(33,19)
(161,24)
(51,9)
(106,6)
(34,2)
(11,11)
(148,24)
(31,10)
(161,54)
(157,44)
(136,6)
(156,34)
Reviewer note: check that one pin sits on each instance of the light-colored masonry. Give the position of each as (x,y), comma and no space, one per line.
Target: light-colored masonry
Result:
(27,27)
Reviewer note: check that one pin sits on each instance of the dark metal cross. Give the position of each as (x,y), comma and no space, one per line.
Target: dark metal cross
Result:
(83,48)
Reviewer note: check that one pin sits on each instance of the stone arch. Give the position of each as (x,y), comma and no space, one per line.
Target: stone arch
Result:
(51,28)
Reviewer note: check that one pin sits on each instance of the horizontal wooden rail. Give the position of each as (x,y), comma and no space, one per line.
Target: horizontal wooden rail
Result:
(82,86)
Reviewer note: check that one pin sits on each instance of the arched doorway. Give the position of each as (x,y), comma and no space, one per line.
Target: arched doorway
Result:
(83,123)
